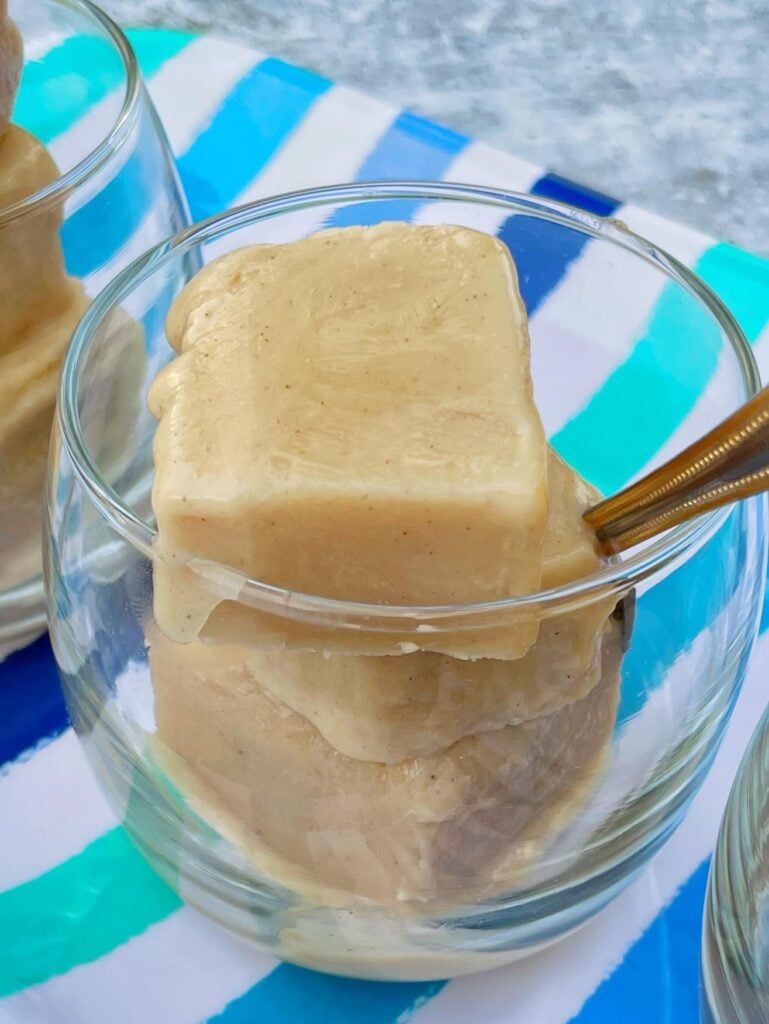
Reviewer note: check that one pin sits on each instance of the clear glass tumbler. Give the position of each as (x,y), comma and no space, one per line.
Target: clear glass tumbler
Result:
(735,937)
(327,777)
(87,183)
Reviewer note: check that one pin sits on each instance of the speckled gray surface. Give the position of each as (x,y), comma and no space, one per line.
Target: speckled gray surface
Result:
(661,103)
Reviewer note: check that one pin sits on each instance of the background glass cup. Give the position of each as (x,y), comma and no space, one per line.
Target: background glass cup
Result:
(116,194)
(574,801)
(735,938)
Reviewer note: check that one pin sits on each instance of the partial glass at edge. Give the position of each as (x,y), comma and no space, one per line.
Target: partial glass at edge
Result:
(118,192)
(637,744)
(735,940)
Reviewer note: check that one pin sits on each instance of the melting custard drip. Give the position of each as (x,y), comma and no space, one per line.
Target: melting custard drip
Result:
(352,414)
(41,304)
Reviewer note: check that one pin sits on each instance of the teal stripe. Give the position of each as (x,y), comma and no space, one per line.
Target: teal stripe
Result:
(53,95)
(293,994)
(79,911)
(672,362)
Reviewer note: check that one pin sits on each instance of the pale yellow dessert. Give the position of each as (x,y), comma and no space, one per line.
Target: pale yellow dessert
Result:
(379,440)
(34,285)
(388,708)
(294,445)
(40,306)
(459,824)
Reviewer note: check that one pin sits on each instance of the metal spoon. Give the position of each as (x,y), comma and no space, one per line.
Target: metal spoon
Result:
(728,463)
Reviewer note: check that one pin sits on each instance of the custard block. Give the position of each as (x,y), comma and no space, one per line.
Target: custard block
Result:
(33,283)
(463,824)
(389,708)
(351,416)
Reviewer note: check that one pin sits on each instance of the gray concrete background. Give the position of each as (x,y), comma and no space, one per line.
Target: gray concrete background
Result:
(663,104)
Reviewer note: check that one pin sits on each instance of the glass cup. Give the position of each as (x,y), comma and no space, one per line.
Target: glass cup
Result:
(735,937)
(334,780)
(98,187)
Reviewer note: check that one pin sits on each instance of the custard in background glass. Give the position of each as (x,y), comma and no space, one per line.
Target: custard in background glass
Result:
(84,187)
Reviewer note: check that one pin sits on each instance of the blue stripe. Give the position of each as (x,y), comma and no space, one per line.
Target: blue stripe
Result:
(659,978)
(553,186)
(252,122)
(671,615)
(293,994)
(543,252)
(411,148)
(764,624)
(95,234)
(31,702)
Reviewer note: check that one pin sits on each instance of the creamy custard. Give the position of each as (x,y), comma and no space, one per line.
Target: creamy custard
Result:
(378,441)
(388,708)
(462,823)
(293,445)
(41,305)
(33,282)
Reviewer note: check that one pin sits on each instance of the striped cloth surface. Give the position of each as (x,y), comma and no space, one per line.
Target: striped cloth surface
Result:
(88,934)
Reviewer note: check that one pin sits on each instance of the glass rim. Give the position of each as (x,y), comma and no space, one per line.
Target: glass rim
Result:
(617,577)
(99,155)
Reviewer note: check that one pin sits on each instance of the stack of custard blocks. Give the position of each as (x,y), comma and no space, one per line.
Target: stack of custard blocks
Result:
(422,768)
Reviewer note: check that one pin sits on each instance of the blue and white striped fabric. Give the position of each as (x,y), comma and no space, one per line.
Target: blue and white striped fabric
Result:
(88,934)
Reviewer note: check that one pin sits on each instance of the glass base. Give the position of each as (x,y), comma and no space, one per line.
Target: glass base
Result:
(725,998)
(735,947)
(360,939)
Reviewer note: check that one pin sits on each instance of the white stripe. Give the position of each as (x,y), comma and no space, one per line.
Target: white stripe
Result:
(53,808)
(479,164)
(189,88)
(591,322)
(38,39)
(524,992)
(327,147)
(684,243)
(761,352)
(180,971)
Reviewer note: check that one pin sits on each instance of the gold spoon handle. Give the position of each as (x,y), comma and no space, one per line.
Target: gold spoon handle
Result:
(729,463)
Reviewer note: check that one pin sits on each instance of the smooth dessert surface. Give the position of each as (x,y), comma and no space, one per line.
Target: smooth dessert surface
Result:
(33,281)
(386,708)
(352,414)
(379,440)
